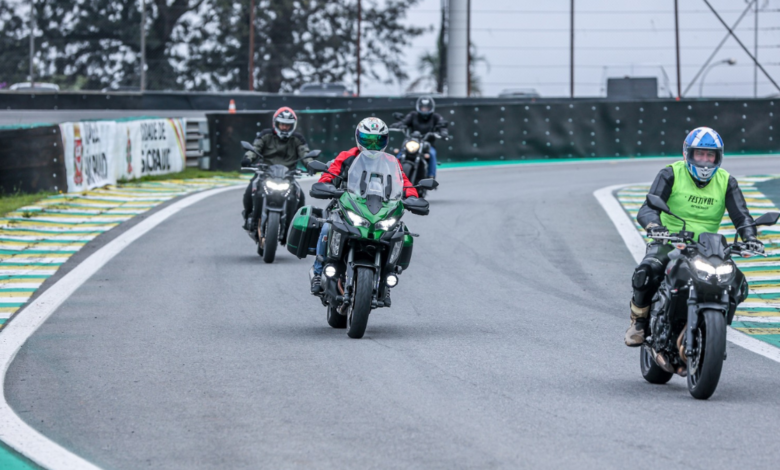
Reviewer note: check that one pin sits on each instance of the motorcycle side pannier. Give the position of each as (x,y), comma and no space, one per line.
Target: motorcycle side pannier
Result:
(406,252)
(304,232)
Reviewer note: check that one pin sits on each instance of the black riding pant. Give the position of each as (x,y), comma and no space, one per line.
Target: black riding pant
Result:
(650,272)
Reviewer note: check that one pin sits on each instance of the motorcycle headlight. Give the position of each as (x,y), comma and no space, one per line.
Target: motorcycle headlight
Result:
(356,220)
(277,185)
(705,270)
(412,146)
(386,224)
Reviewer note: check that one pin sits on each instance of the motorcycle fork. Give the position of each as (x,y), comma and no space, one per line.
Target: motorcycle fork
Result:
(349,274)
(693,321)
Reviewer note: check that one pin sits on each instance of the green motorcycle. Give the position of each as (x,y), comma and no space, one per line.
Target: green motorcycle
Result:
(368,246)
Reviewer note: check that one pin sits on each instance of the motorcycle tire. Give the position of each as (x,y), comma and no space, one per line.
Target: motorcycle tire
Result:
(271,237)
(651,371)
(704,370)
(357,317)
(335,319)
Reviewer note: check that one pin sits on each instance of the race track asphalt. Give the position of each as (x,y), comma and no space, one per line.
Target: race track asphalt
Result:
(503,348)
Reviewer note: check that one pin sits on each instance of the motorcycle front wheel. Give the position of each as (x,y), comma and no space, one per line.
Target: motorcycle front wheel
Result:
(271,237)
(357,317)
(705,366)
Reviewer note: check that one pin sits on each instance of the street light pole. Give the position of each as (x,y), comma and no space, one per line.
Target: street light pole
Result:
(251,85)
(724,61)
(755,54)
(359,15)
(143,46)
(571,52)
(677,46)
(32,44)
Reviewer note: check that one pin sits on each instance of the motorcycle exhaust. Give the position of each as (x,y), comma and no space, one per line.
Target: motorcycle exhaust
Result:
(662,361)
(680,345)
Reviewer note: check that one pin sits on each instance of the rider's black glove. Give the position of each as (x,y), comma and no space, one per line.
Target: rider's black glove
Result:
(245,162)
(657,231)
(754,245)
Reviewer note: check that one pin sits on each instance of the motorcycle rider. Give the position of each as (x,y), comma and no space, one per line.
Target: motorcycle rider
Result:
(699,191)
(371,136)
(424,120)
(280,145)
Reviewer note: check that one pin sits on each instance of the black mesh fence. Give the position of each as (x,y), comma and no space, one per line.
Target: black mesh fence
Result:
(541,130)
(31,160)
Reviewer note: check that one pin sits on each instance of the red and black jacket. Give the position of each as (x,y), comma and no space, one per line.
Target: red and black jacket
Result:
(341,165)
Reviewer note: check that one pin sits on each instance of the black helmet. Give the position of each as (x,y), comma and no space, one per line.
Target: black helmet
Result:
(425,106)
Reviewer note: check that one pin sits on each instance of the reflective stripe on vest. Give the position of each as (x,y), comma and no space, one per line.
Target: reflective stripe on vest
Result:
(702,208)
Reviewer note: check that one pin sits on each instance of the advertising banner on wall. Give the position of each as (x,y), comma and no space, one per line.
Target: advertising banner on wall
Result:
(88,149)
(149,147)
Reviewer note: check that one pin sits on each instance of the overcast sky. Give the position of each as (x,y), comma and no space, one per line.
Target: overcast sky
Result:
(526,44)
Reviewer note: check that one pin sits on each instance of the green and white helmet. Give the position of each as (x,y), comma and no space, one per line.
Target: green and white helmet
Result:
(372,135)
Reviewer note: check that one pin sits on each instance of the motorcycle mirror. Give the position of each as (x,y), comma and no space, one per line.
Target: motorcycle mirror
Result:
(248,146)
(770,218)
(398,116)
(315,165)
(428,184)
(655,202)
(313,154)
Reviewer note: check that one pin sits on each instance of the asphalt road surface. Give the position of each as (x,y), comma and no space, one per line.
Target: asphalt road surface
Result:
(503,349)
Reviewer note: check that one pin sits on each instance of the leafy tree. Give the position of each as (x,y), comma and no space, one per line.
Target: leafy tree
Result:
(297,42)
(204,44)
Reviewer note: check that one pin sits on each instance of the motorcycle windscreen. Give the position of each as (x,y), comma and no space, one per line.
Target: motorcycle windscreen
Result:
(375,176)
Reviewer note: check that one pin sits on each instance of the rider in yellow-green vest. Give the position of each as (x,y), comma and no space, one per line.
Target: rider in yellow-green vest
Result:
(699,191)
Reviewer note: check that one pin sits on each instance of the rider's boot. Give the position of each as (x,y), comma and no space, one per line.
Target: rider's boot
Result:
(245,216)
(635,335)
(316,284)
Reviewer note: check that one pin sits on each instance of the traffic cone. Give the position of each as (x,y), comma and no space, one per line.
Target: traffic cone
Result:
(232,107)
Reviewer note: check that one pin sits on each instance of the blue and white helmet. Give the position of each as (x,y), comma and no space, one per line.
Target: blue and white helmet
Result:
(706,139)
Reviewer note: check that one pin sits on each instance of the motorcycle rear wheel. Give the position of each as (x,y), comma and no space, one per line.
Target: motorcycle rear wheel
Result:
(357,317)
(704,369)
(271,237)
(651,371)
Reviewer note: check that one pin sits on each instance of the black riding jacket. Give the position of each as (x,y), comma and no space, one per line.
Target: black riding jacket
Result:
(434,123)
(735,203)
(276,151)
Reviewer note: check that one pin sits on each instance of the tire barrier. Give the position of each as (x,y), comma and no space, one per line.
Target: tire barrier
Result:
(520,131)
(31,160)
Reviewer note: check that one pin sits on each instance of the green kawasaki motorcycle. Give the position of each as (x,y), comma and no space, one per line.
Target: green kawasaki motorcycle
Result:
(368,246)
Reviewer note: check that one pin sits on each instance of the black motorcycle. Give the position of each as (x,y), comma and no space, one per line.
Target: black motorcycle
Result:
(693,306)
(412,153)
(283,197)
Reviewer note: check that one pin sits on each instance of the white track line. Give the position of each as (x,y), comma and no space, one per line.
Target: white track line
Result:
(13,431)
(636,245)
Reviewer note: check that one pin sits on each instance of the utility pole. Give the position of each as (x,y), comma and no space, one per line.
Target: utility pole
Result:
(359,19)
(755,53)
(251,86)
(32,44)
(571,51)
(677,46)
(143,46)
(457,49)
(468,48)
